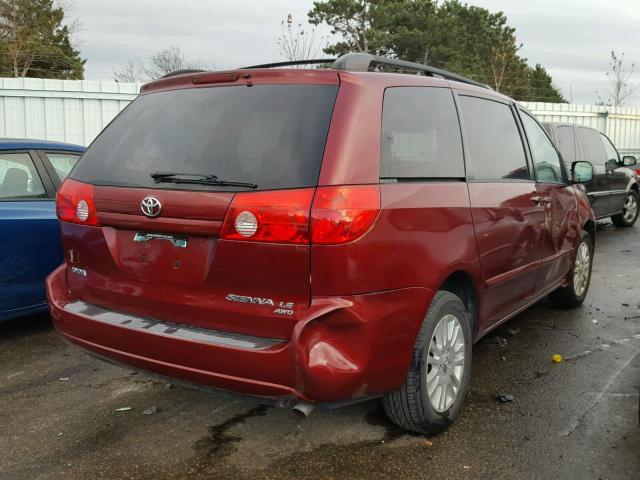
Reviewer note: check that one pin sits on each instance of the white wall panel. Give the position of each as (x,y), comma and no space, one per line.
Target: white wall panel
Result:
(72,111)
(77,110)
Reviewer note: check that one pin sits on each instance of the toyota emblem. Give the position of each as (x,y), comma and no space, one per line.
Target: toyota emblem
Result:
(150,206)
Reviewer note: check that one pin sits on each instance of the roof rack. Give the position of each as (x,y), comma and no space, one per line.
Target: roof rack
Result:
(315,61)
(363,62)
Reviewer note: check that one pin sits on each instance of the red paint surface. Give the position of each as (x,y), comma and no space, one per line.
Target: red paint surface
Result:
(357,307)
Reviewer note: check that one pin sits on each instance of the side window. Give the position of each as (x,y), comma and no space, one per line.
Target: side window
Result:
(592,145)
(494,143)
(566,140)
(420,134)
(62,163)
(546,160)
(612,153)
(19,178)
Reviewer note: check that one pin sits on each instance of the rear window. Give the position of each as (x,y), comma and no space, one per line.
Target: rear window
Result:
(270,135)
(420,134)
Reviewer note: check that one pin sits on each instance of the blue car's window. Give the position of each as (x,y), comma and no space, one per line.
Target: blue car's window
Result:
(19,178)
(62,163)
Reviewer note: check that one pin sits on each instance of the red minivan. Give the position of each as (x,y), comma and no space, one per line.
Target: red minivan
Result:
(318,236)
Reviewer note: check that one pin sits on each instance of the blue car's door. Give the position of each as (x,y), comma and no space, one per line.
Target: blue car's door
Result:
(29,233)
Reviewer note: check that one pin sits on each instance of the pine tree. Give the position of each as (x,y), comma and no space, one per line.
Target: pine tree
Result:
(35,42)
(462,38)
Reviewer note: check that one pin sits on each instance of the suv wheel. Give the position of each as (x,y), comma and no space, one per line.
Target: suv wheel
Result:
(629,214)
(572,295)
(434,390)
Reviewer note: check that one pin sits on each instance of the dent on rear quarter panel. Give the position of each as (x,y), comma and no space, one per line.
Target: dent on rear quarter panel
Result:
(422,235)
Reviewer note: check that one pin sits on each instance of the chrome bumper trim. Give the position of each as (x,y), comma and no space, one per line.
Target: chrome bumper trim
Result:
(187,332)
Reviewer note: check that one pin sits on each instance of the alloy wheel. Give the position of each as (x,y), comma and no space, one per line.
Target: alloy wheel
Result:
(581,269)
(445,363)
(630,208)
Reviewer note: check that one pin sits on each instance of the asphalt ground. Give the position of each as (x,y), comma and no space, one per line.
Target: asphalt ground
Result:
(578,419)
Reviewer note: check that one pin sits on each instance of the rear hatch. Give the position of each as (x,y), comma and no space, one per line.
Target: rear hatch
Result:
(164,176)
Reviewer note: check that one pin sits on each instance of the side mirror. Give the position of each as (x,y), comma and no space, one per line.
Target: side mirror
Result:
(581,172)
(629,160)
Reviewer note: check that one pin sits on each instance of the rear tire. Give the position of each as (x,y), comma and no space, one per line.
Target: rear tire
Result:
(572,295)
(433,392)
(630,213)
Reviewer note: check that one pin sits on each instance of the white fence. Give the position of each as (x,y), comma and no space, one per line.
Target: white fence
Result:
(76,111)
(73,111)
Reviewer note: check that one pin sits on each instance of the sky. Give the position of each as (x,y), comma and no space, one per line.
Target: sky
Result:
(572,39)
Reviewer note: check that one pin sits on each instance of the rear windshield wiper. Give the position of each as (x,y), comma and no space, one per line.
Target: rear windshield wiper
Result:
(197,178)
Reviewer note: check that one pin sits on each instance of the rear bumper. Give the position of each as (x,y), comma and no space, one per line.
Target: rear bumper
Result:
(344,348)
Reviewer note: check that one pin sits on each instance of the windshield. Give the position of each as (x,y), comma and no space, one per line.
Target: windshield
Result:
(269,135)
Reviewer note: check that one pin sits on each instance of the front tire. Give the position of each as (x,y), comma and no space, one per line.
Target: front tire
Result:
(629,214)
(572,295)
(433,393)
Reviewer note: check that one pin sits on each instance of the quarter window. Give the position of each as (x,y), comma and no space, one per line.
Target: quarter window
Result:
(494,144)
(19,178)
(546,160)
(62,163)
(420,134)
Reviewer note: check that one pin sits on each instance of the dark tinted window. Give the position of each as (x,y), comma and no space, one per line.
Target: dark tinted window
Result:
(592,146)
(546,160)
(271,135)
(566,141)
(420,134)
(494,144)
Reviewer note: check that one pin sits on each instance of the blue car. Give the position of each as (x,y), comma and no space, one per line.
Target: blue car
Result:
(30,173)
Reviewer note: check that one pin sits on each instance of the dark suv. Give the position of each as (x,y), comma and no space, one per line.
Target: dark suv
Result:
(318,235)
(615,187)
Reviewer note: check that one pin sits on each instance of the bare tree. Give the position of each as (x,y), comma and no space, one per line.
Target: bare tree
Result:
(296,43)
(166,61)
(621,89)
(155,66)
(131,73)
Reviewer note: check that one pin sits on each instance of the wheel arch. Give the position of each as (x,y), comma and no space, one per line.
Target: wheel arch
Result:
(461,283)
(590,228)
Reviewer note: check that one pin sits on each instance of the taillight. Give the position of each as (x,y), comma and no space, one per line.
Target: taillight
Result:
(343,214)
(278,216)
(338,215)
(75,204)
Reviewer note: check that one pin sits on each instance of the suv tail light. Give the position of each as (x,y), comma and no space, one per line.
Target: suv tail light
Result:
(74,203)
(338,215)
(343,214)
(278,216)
